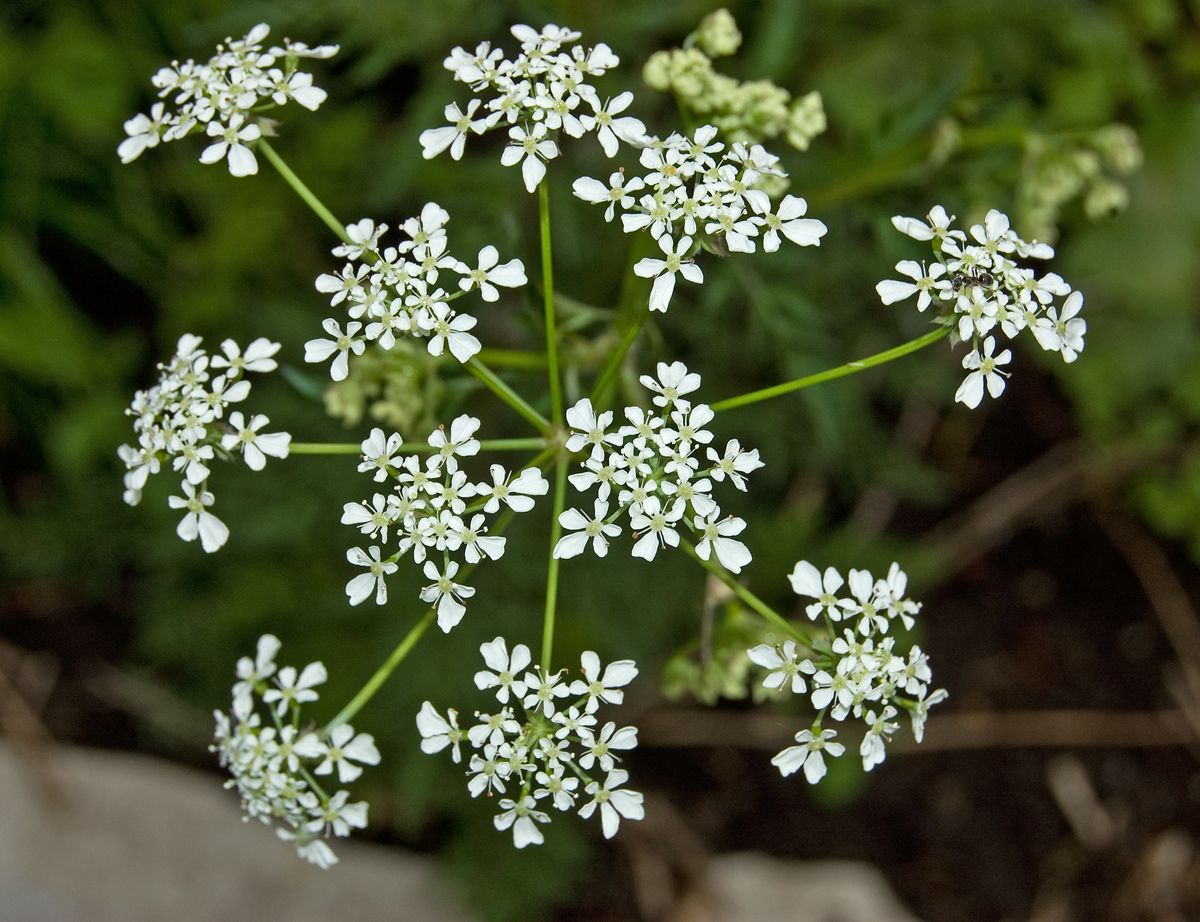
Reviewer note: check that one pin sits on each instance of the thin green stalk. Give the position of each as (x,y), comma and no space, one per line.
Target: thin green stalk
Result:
(507,394)
(614,363)
(512,358)
(829,374)
(715,568)
(303,191)
(548,299)
(325,448)
(355,448)
(560,494)
(382,673)
(511,444)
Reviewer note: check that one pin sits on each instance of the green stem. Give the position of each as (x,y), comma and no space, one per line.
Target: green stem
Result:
(507,394)
(325,448)
(715,568)
(355,448)
(560,493)
(512,358)
(382,673)
(614,363)
(829,374)
(548,300)
(303,191)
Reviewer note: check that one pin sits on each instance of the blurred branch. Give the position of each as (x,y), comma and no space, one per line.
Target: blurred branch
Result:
(1055,481)
(685,727)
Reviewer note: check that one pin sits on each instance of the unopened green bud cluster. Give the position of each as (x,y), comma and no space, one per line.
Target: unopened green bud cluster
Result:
(749,112)
(1057,170)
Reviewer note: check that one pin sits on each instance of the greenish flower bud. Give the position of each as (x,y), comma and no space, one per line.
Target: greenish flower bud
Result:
(691,72)
(1118,145)
(657,71)
(805,120)
(1105,198)
(718,34)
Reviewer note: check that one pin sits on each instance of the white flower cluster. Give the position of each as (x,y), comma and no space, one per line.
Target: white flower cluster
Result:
(180,419)
(982,288)
(394,291)
(544,90)
(857,673)
(222,98)
(428,508)
(697,186)
(273,765)
(536,760)
(653,464)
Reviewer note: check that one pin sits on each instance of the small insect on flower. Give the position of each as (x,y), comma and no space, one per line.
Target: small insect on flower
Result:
(975,277)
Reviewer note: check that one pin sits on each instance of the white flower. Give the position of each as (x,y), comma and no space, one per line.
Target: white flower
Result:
(807,580)
(198,520)
(891,291)
(380,453)
(533,147)
(808,754)
(475,542)
(541,689)
(293,690)
(588,427)
(938,226)
(597,748)
(318,350)
(715,536)
(521,817)
(605,688)
(617,192)
(241,158)
(438,733)
(1063,333)
(510,275)
(516,494)
(361,587)
(663,271)
(673,382)
(454,136)
(628,129)
(983,371)
(920,710)
(338,817)
(445,594)
(786,665)
(371,517)
(583,528)
(253,446)
(559,788)
(613,803)
(790,222)
(343,746)
(450,329)
(252,671)
(733,464)
(879,731)
(257,357)
(655,523)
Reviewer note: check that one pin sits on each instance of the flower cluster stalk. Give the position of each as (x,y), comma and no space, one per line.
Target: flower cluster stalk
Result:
(839,371)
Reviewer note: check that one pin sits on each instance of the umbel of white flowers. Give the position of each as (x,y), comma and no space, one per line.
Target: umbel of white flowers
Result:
(180,419)
(858,673)
(225,97)
(273,765)
(545,758)
(980,289)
